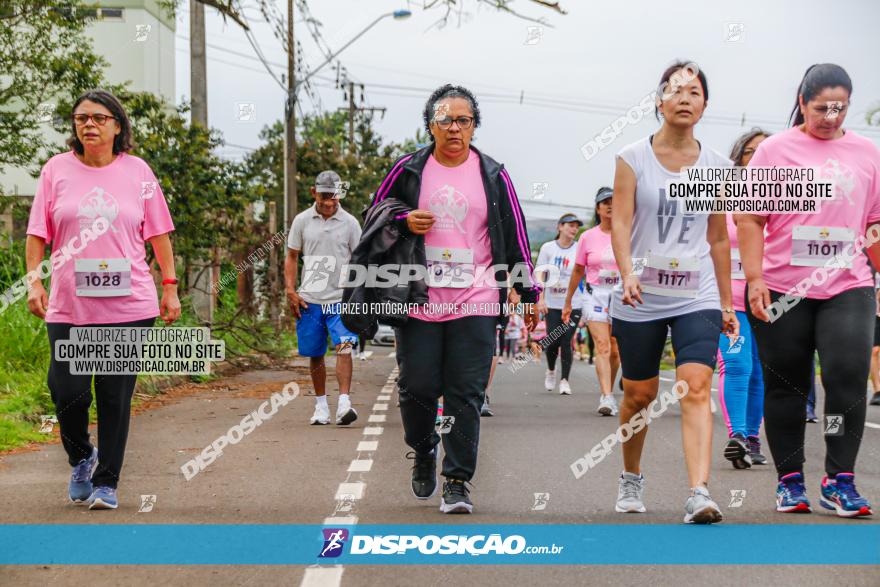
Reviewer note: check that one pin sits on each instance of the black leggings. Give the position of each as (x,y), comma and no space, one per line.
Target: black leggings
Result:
(72,395)
(559,338)
(841,329)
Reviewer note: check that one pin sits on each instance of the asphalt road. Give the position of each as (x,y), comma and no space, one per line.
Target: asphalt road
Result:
(287,472)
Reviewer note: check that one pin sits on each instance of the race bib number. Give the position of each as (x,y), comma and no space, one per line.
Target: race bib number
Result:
(448,267)
(736,265)
(671,276)
(609,277)
(103,278)
(814,246)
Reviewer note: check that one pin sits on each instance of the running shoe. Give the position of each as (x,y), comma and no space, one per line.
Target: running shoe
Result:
(811,414)
(607,406)
(737,452)
(439,417)
(755,451)
(424,473)
(875,400)
(841,495)
(321,415)
(80,487)
(485,411)
(791,495)
(455,498)
(564,387)
(103,498)
(550,380)
(629,494)
(700,509)
(362,356)
(345,414)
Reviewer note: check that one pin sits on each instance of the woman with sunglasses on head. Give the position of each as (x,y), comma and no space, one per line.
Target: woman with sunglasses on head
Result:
(100,190)
(681,285)
(595,259)
(740,381)
(560,252)
(817,260)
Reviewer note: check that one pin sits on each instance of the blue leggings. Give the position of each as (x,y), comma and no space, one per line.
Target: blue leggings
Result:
(741,382)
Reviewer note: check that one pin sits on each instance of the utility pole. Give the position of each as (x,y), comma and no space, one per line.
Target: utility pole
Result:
(352,110)
(202,296)
(290,125)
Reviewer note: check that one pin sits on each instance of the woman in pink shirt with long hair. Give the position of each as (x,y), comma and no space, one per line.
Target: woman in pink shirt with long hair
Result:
(810,289)
(98,206)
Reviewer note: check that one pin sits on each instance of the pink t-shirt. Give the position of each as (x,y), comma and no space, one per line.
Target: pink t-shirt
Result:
(70,196)
(854,162)
(595,253)
(458,242)
(738,286)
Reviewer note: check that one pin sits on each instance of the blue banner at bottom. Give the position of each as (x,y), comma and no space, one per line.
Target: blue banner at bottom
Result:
(857,543)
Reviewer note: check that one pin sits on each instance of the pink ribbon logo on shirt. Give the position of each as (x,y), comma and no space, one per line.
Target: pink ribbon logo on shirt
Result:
(449,202)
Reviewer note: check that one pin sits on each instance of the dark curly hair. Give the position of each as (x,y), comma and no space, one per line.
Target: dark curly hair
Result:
(449,91)
(123,142)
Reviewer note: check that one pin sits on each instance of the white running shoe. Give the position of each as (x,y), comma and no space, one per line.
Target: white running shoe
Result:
(700,509)
(607,406)
(321,415)
(345,414)
(564,387)
(550,380)
(629,494)
(362,355)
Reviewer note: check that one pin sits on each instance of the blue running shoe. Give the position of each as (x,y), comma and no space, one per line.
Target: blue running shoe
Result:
(80,487)
(103,498)
(791,495)
(841,495)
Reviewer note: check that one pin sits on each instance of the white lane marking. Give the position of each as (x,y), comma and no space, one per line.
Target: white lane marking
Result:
(367,445)
(360,466)
(354,490)
(380,407)
(322,577)
(341,521)
(383,398)
(667,379)
(368,354)
(373,430)
(872,425)
(377,418)
(392,354)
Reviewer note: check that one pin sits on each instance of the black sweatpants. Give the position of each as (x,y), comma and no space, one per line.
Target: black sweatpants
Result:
(451,359)
(563,339)
(72,395)
(841,329)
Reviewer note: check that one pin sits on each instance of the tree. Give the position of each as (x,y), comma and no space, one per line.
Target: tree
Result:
(45,59)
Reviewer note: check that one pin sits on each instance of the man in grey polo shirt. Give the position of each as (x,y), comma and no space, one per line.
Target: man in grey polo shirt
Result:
(326,235)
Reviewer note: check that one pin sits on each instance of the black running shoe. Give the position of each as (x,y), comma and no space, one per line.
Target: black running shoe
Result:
(737,452)
(455,498)
(875,400)
(424,474)
(755,451)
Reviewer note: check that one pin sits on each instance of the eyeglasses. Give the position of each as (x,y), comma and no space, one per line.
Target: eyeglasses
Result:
(463,122)
(99,119)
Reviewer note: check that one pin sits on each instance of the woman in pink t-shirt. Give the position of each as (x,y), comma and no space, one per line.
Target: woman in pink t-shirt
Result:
(811,290)
(98,206)
(740,380)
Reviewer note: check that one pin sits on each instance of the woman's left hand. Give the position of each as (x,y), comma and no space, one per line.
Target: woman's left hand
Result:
(729,324)
(169,308)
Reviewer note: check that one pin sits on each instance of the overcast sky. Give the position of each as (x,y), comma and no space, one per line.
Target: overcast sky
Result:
(589,68)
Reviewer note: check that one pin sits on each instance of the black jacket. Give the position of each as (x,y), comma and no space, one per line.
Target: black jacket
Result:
(381,244)
(507,230)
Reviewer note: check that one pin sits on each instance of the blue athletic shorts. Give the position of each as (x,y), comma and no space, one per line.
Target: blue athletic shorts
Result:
(695,338)
(314,325)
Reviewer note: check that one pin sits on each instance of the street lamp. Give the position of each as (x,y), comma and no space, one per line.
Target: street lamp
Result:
(289,122)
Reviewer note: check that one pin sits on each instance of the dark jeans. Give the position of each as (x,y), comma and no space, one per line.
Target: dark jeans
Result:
(451,359)
(72,395)
(563,339)
(841,329)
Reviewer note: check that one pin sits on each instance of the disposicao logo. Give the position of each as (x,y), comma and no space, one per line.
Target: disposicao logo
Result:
(334,541)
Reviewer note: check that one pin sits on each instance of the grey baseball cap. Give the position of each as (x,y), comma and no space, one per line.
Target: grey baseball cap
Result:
(604,194)
(328,182)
